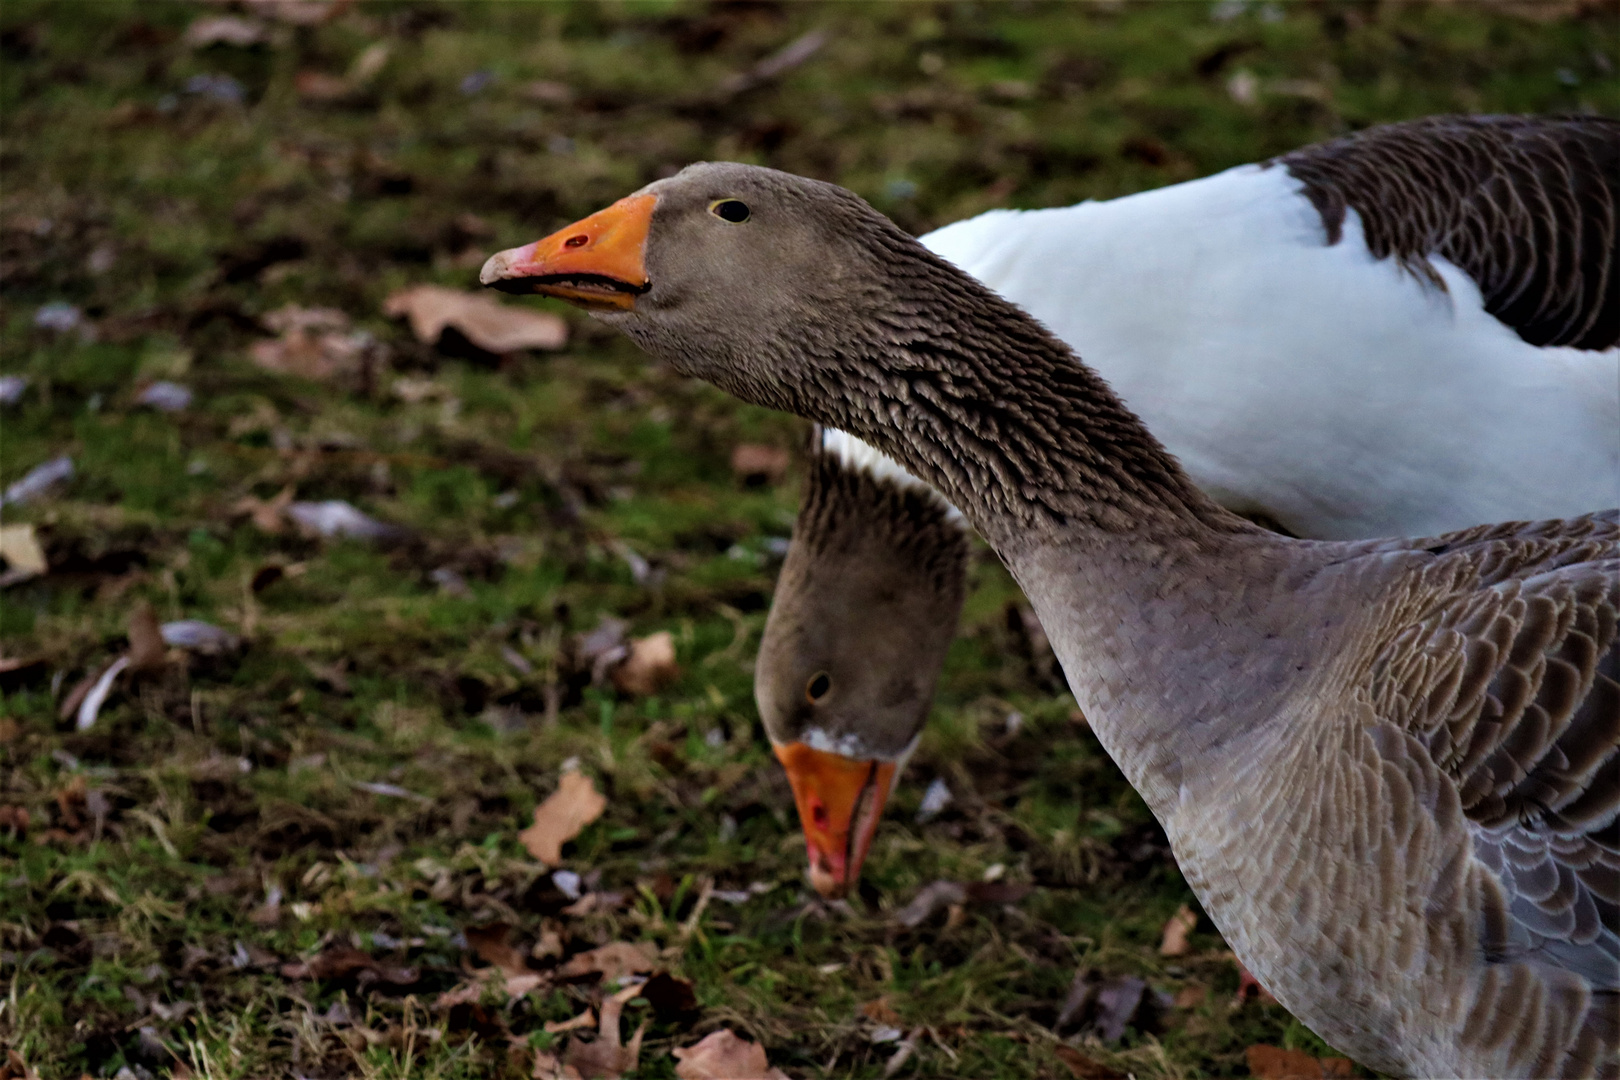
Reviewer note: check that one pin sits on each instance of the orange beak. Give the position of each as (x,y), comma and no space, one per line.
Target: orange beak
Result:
(840,801)
(596,263)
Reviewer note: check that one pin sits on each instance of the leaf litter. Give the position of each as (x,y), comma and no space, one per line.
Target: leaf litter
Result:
(562,816)
(487,323)
(297,769)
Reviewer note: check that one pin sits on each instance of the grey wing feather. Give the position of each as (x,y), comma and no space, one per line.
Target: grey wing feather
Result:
(1512,682)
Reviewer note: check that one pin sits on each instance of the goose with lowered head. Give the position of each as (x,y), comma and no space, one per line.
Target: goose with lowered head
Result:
(1387,768)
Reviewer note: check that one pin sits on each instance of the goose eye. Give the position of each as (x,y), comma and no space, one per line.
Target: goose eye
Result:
(732,210)
(817,687)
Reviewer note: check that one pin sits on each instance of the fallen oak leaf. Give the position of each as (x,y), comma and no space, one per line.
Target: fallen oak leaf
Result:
(606,1058)
(671,998)
(575,804)
(21,549)
(650,666)
(14,819)
(612,961)
(16,1068)
(312,343)
(595,901)
(492,326)
(1190,996)
(295,318)
(722,1055)
(343,961)
(268,515)
(513,985)
(880,1011)
(1176,929)
(490,943)
(583,1020)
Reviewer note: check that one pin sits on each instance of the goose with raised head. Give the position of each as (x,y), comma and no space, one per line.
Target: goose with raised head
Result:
(1399,333)
(1387,768)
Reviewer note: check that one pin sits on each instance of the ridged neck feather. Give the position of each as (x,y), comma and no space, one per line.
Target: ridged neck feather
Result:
(980,400)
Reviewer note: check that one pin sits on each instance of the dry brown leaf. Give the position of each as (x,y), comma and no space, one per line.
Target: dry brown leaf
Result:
(14,819)
(341,961)
(296,318)
(547,1067)
(1190,996)
(1083,1067)
(613,960)
(605,1059)
(269,515)
(880,1010)
(492,326)
(1275,1063)
(650,666)
(512,985)
(319,356)
(575,804)
(583,1020)
(756,463)
(722,1055)
(21,549)
(1176,929)
(15,1068)
(146,651)
(490,943)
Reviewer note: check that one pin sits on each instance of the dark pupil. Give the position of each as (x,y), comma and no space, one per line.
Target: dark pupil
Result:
(819,686)
(732,210)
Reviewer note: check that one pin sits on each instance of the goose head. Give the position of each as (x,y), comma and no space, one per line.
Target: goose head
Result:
(781,262)
(864,613)
(868,598)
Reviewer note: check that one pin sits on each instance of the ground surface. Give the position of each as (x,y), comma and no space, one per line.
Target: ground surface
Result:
(280,859)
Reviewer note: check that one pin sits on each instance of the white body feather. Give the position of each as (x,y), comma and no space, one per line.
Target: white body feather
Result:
(1337,393)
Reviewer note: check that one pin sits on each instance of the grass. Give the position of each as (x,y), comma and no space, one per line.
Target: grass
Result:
(174,211)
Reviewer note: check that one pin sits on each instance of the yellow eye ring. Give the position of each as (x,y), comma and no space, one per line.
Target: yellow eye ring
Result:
(819,686)
(733,210)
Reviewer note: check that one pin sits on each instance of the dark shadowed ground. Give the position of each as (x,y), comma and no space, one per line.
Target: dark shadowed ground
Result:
(293,849)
